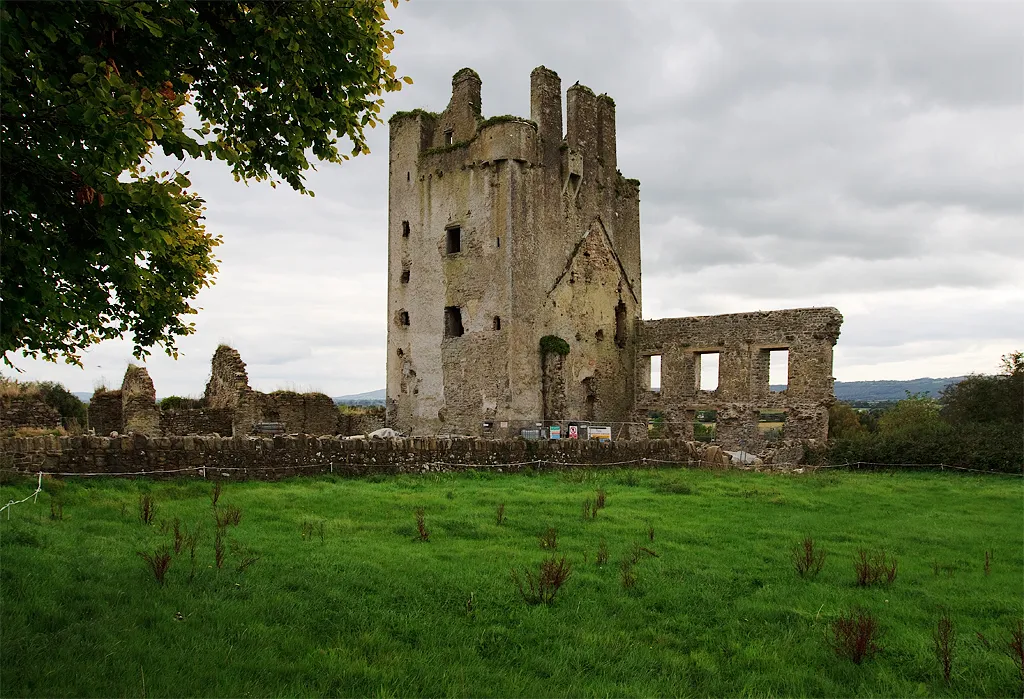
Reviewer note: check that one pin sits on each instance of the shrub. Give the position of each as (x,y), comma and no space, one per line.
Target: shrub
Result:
(246,556)
(873,569)
(422,533)
(627,572)
(542,587)
(600,501)
(500,514)
(181,403)
(218,548)
(602,552)
(158,562)
(215,495)
(808,560)
(179,538)
(589,510)
(553,344)
(944,636)
(147,508)
(309,529)
(548,539)
(854,636)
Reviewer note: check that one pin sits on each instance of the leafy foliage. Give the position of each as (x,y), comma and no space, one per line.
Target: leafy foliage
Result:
(98,245)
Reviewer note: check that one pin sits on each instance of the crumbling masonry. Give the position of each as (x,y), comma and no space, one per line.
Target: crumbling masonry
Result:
(504,231)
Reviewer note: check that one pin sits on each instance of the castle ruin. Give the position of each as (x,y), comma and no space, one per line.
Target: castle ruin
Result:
(514,293)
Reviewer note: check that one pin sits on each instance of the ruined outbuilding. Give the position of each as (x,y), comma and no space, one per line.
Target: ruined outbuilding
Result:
(514,294)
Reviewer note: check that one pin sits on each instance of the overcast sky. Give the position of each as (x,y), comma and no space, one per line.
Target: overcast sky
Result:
(868,156)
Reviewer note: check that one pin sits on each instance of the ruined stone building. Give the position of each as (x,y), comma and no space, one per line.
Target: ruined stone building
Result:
(514,291)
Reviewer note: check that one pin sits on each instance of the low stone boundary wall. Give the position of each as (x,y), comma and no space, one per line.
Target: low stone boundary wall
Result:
(282,456)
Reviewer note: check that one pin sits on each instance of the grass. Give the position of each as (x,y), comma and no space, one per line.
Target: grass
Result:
(368,610)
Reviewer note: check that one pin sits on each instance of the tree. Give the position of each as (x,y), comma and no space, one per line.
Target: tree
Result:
(988,399)
(843,421)
(95,244)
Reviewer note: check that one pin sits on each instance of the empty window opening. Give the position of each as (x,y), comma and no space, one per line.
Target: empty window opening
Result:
(497,322)
(656,426)
(771,424)
(620,325)
(403,317)
(453,322)
(497,243)
(408,176)
(453,240)
(655,377)
(405,229)
(449,137)
(778,369)
(405,276)
(705,425)
(706,369)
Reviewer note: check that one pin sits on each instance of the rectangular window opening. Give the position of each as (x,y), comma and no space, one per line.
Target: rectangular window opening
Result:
(405,229)
(706,366)
(497,322)
(453,240)
(655,379)
(453,322)
(403,318)
(449,137)
(405,276)
(705,425)
(620,325)
(778,370)
(771,424)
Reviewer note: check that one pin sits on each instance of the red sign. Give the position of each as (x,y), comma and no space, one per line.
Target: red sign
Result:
(574,432)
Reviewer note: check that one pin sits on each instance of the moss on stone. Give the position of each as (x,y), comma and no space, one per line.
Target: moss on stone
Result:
(465,73)
(413,113)
(505,118)
(553,344)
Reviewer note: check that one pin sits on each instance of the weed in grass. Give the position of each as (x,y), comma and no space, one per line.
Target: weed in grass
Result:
(807,559)
(630,478)
(548,539)
(650,532)
(1015,648)
(602,552)
(56,510)
(944,636)
(190,541)
(450,495)
(313,528)
(215,495)
(179,537)
(640,552)
(589,510)
(874,568)
(469,604)
(542,587)
(599,503)
(627,573)
(158,562)
(246,556)
(147,508)
(218,547)
(854,635)
(228,515)
(988,563)
(500,514)
(422,533)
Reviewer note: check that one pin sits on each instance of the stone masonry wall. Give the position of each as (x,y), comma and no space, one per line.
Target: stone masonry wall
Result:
(228,387)
(301,413)
(277,457)
(138,402)
(196,421)
(27,411)
(105,413)
(743,342)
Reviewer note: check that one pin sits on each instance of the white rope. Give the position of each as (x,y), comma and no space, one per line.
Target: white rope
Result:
(33,496)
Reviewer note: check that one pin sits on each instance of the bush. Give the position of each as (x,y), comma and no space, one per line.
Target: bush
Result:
(182,403)
(807,559)
(542,587)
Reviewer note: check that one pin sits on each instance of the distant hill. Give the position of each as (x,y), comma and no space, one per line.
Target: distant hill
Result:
(891,390)
(84,397)
(368,398)
(850,391)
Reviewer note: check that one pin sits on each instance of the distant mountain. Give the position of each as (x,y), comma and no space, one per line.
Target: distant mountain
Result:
(84,397)
(878,391)
(368,398)
(850,391)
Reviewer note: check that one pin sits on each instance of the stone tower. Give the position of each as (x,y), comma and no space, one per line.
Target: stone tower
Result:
(503,231)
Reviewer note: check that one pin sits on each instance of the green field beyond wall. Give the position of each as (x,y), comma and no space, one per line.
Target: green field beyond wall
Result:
(370,611)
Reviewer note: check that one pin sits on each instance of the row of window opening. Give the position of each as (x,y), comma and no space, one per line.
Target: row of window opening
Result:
(707,369)
(452,238)
(453,326)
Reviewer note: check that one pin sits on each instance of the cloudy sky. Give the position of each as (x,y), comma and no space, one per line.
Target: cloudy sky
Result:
(863,155)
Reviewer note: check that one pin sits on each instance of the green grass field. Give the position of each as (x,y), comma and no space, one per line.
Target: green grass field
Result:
(371,611)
